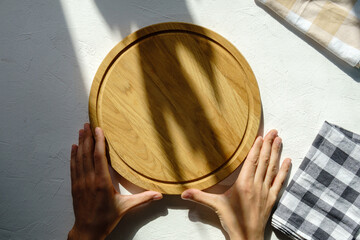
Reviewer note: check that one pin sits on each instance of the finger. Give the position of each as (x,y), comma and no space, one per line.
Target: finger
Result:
(251,162)
(274,162)
(281,176)
(127,202)
(100,161)
(88,154)
(208,199)
(79,157)
(73,164)
(264,157)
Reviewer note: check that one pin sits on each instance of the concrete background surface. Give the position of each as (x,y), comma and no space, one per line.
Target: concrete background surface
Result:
(49,53)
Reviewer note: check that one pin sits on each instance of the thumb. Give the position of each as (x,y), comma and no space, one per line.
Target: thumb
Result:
(127,202)
(208,199)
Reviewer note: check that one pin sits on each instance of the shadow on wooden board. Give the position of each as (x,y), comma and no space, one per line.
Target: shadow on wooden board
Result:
(176,97)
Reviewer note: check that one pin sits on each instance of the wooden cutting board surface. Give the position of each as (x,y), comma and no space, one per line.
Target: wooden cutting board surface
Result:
(179,106)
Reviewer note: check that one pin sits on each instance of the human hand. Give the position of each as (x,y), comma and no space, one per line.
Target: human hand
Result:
(98,207)
(245,208)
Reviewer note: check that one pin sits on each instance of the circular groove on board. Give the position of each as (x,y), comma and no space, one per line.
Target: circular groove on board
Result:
(179,106)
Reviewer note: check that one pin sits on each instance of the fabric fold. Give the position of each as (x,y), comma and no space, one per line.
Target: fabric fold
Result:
(333,24)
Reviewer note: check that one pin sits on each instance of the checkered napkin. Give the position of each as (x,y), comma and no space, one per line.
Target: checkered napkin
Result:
(323,199)
(335,24)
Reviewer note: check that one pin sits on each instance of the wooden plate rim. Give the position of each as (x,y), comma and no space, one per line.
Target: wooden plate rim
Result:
(254,112)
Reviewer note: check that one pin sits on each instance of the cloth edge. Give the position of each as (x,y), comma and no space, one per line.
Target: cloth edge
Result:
(354,63)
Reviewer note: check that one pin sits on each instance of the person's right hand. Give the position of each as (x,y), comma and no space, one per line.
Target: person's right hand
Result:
(245,208)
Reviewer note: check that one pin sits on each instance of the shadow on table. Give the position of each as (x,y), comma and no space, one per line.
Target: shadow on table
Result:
(142,215)
(43,104)
(352,72)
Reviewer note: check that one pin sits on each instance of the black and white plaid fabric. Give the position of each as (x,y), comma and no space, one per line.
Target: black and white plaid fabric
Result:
(323,199)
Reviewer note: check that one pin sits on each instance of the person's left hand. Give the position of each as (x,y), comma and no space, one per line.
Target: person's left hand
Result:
(245,208)
(98,207)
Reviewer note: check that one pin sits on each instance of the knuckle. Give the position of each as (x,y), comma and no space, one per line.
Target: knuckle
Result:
(89,179)
(97,155)
(266,160)
(264,196)
(254,162)
(99,189)
(282,183)
(84,155)
(101,185)
(279,185)
(272,198)
(76,188)
(245,187)
(277,147)
(273,170)
(77,159)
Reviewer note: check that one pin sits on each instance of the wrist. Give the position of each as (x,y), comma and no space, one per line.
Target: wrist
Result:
(77,234)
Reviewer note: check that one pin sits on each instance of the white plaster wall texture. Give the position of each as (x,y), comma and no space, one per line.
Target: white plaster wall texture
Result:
(49,53)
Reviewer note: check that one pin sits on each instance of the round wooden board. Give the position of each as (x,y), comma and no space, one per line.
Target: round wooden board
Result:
(179,106)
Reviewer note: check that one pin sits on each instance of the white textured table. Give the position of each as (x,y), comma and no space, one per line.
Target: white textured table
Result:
(49,52)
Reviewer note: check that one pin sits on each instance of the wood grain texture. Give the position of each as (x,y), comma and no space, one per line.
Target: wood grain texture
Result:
(179,105)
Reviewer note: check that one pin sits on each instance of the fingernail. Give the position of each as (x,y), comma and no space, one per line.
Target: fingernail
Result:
(274,132)
(73,147)
(186,196)
(270,130)
(97,131)
(81,133)
(157,197)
